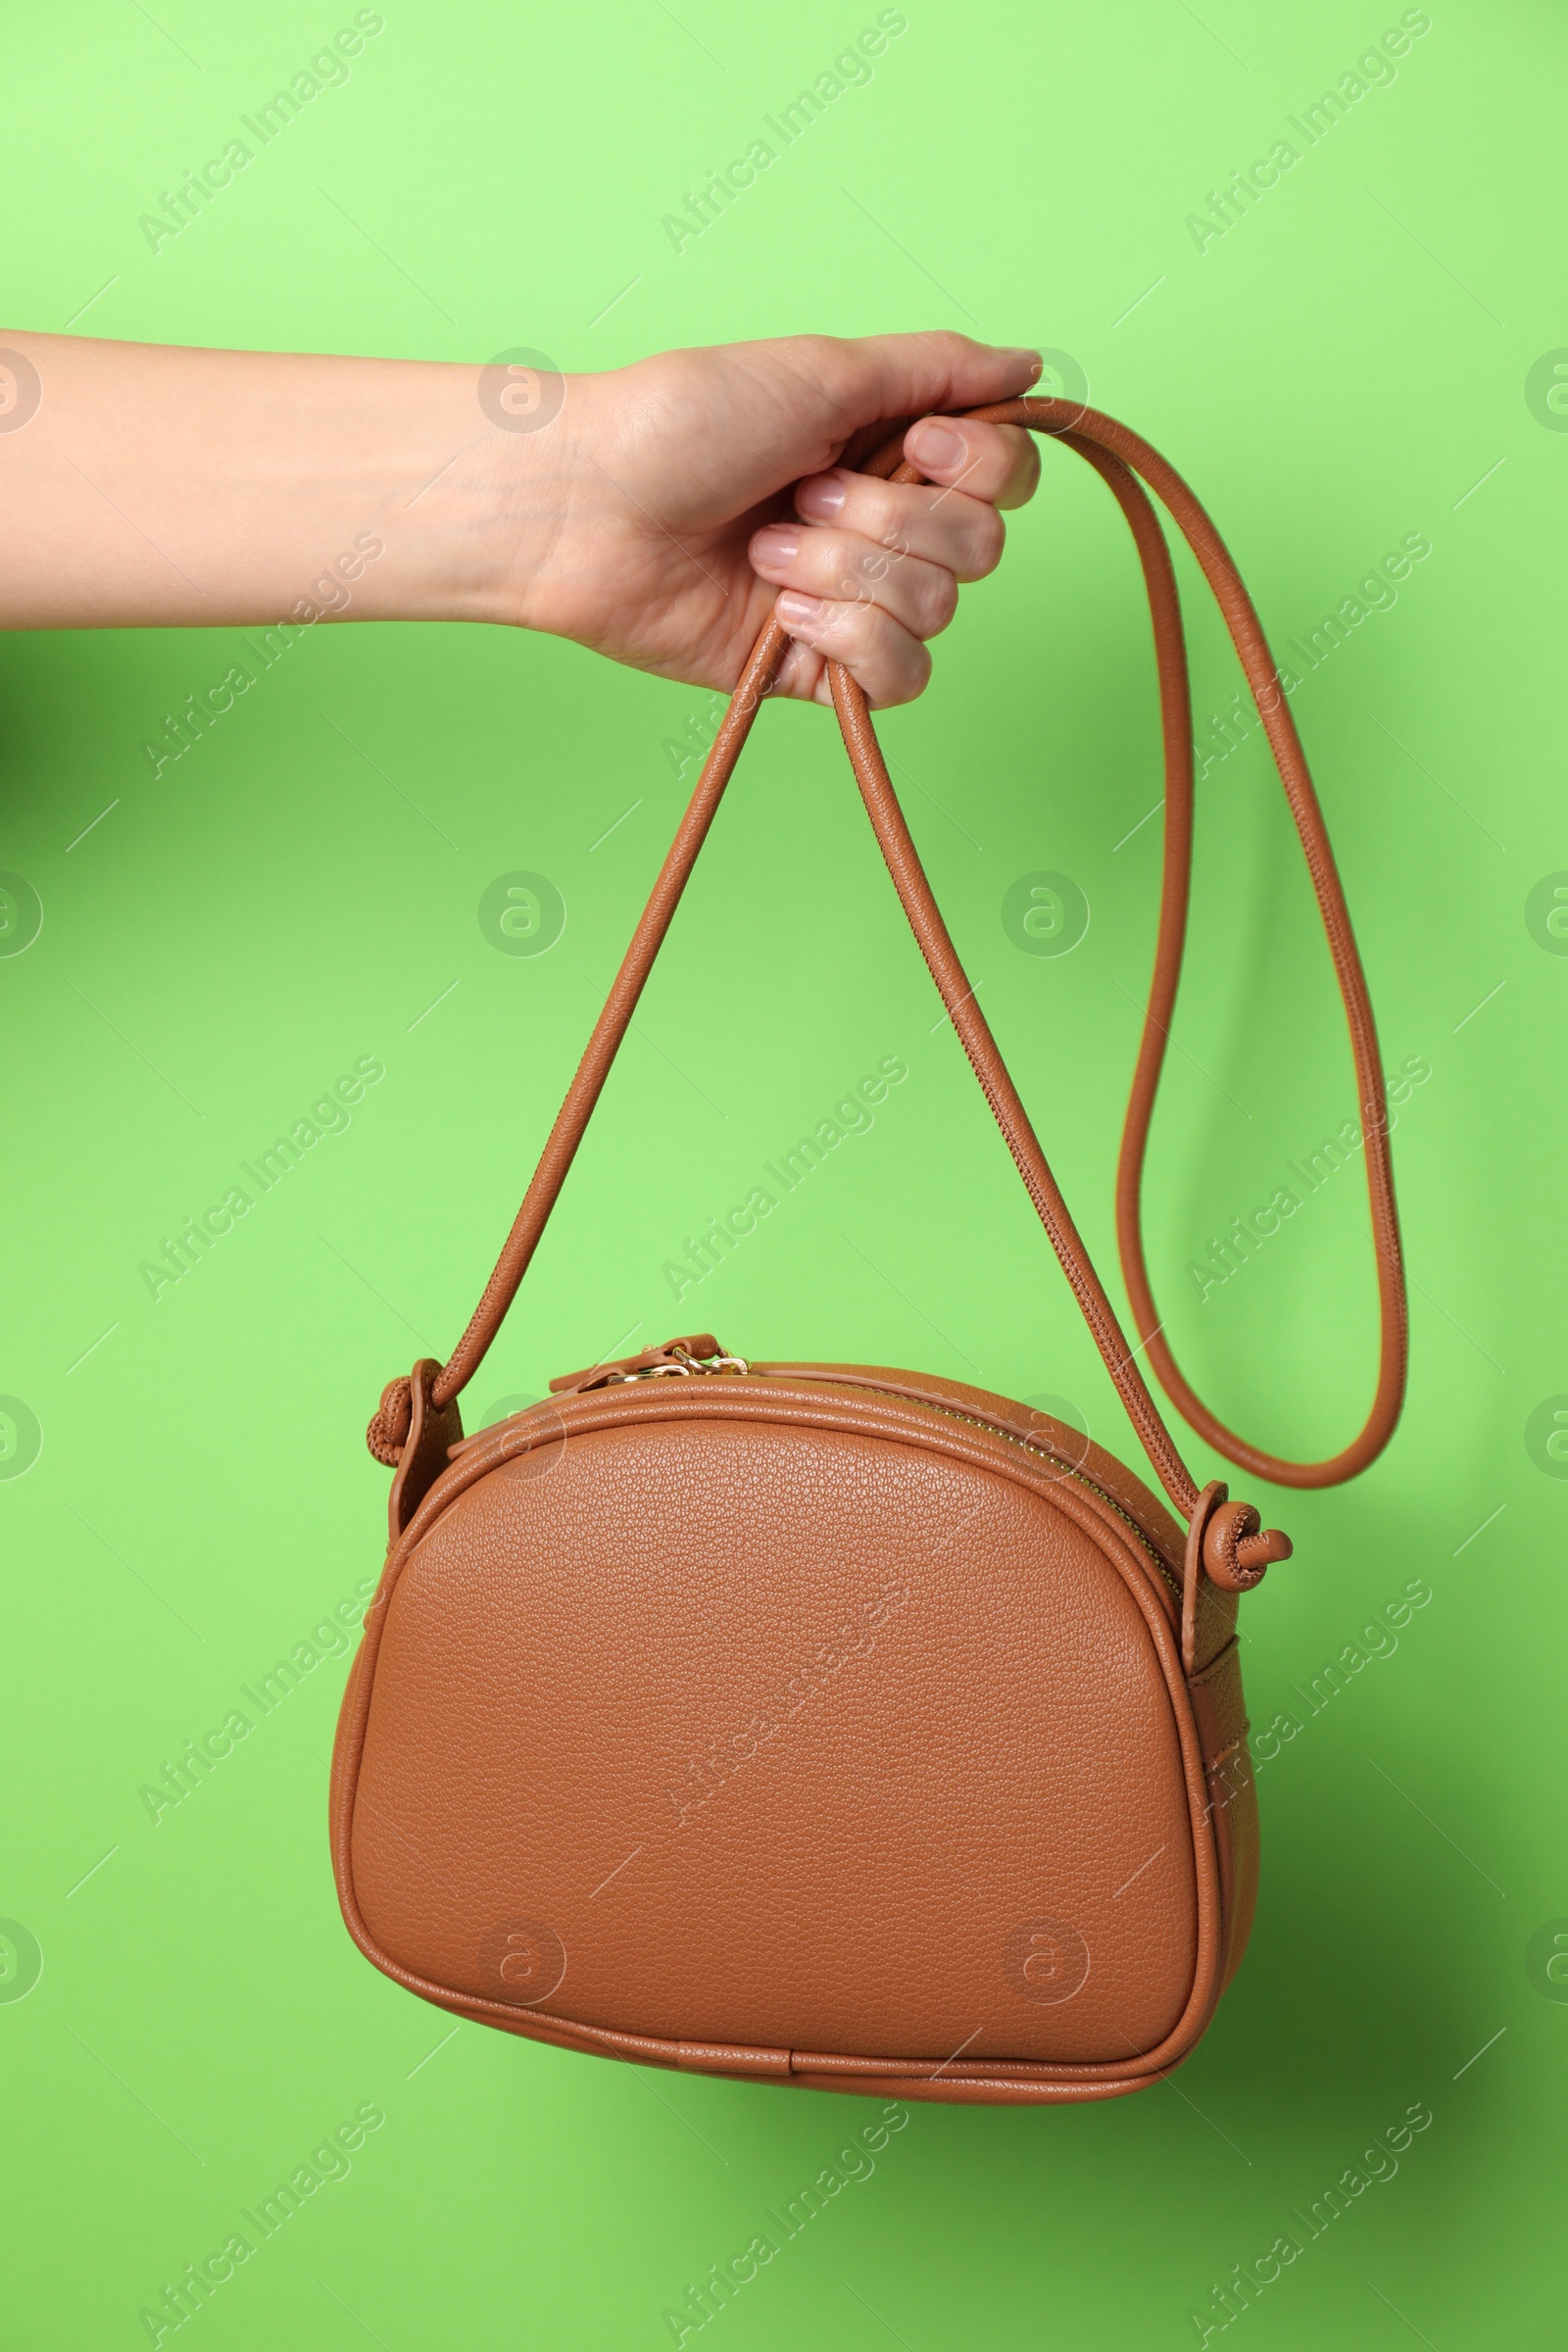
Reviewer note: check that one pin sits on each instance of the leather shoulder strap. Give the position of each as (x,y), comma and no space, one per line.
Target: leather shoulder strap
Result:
(1120,458)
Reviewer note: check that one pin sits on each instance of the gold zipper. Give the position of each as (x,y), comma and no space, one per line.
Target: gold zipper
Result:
(1109,1501)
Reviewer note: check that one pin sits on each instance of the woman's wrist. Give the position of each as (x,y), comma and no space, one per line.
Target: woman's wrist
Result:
(474,498)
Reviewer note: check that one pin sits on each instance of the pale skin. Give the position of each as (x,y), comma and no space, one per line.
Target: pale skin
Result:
(656,517)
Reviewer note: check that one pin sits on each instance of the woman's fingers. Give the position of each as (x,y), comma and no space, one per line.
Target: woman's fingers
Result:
(999,462)
(975,469)
(887,662)
(843,567)
(873,568)
(949,527)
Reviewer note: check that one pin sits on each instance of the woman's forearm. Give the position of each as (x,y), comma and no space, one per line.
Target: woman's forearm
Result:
(154,486)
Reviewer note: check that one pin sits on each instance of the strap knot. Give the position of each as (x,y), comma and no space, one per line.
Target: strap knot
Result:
(1238,1549)
(390,1423)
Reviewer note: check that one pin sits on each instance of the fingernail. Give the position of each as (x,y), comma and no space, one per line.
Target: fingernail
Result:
(798,611)
(1036,361)
(935,447)
(820,497)
(775,545)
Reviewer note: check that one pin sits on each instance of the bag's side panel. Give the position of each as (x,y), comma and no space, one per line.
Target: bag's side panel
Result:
(665,1738)
(1220,1709)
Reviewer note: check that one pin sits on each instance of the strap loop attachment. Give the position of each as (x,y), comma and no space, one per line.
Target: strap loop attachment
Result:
(390,1423)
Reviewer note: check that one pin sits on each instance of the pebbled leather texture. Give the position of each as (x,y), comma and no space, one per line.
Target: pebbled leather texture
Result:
(835,1725)
(793,1728)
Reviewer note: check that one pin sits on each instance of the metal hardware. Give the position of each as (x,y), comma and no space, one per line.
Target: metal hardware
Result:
(711,1363)
(681,1365)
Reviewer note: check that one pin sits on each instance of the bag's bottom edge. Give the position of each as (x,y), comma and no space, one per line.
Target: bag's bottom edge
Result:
(1030,2083)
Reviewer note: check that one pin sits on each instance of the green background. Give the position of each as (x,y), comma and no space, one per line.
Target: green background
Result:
(1347,365)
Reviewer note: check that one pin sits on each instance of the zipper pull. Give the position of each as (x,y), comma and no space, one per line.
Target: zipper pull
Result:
(698,1353)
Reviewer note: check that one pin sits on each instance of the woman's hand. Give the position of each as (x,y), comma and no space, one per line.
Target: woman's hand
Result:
(646,512)
(656,525)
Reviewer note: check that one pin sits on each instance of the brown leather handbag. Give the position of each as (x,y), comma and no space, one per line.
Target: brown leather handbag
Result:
(819,1723)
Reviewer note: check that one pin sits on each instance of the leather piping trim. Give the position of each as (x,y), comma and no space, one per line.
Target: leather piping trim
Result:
(806,2070)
